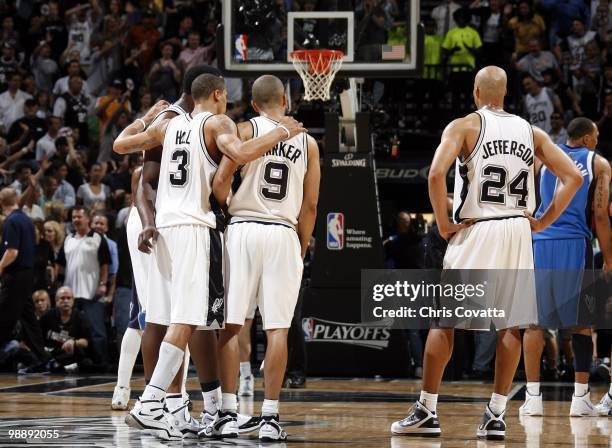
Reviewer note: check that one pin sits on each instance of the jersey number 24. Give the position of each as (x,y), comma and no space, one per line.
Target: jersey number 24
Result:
(495,177)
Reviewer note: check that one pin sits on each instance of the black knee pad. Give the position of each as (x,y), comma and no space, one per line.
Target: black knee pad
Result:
(583,352)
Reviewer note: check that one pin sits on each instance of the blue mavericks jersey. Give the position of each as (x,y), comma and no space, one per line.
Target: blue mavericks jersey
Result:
(574,221)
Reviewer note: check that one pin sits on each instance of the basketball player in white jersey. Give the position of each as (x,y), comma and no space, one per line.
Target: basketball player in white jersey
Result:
(272,217)
(188,244)
(202,344)
(494,192)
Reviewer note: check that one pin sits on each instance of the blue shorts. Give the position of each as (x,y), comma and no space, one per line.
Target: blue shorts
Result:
(137,317)
(560,266)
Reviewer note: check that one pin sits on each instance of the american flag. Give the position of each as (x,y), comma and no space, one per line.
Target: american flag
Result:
(393,52)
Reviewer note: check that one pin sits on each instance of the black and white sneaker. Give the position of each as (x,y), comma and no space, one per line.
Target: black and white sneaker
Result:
(225,426)
(247,423)
(270,430)
(493,427)
(151,415)
(419,422)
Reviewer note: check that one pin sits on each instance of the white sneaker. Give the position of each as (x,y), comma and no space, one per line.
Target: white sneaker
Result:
(270,430)
(582,406)
(420,421)
(186,424)
(121,397)
(224,426)
(151,416)
(247,386)
(247,424)
(532,406)
(604,405)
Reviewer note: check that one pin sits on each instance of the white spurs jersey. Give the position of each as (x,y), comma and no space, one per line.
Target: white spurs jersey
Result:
(272,187)
(497,179)
(185,176)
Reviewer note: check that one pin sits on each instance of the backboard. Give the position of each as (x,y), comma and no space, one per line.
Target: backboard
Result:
(377,39)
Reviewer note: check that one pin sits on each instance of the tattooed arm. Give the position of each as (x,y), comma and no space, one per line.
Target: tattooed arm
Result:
(137,137)
(601,202)
(224,132)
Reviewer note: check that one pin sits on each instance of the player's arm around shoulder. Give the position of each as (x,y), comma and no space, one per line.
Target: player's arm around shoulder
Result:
(601,201)
(225,133)
(566,172)
(312,180)
(222,182)
(142,135)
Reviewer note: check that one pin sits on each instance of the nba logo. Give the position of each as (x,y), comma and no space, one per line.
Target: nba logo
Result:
(308,327)
(335,231)
(240,47)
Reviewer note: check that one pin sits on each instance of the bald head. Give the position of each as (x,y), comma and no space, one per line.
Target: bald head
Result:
(268,91)
(490,86)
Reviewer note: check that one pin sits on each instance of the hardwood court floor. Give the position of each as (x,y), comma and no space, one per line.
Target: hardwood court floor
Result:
(328,413)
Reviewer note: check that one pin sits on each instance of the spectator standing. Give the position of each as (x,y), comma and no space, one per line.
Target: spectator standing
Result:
(54,235)
(12,101)
(194,54)
(605,128)
(85,260)
(73,107)
(99,223)
(558,133)
(539,103)
(23,171)
(114,99)
(43,259)
(8,63)
(573,48)
(443,14)
(54,29)
(67,333)
(65,191)
(45,147)
(536,61)
(29,124)
(17,275)
(42,303)
(563,13)
(43,66)
(93,191)
(165,76)
(83,19)
(489,23)
(73,69)
(569,103)
(526,26)
(145,33)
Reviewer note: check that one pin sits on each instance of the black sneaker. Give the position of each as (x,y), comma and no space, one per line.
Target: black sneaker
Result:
(420,422)
(493,427)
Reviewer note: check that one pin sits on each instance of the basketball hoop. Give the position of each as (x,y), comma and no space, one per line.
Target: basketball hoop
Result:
(317,68)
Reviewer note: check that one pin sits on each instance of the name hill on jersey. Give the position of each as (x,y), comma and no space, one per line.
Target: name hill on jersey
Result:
(508,147)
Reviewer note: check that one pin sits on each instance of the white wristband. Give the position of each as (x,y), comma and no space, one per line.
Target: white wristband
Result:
(285,128)
(144,125)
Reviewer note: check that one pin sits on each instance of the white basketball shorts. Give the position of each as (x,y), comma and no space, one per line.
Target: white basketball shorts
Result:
(140,260)
(186,278)
(263,268)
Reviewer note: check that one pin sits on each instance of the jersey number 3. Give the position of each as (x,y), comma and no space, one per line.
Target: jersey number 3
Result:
(276,176)
(180,157)
(495,181)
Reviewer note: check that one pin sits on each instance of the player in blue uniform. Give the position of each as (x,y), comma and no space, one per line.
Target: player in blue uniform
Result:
(562,252)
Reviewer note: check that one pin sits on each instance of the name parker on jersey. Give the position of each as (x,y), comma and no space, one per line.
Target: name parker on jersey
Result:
(508,147)
(284,149)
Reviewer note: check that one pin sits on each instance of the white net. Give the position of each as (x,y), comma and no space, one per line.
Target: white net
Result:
(317,68)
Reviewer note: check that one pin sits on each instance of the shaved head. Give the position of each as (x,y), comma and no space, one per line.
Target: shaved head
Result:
(268,90)
(490,86)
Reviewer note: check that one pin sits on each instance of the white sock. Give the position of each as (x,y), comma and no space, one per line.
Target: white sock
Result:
(581,389)
(533,388)
(185,374)
(174,401)
(269,407)
(229,403)
(168,364)
(498,403)
(430,401)
(130,346)
(245,369)
(211,400)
